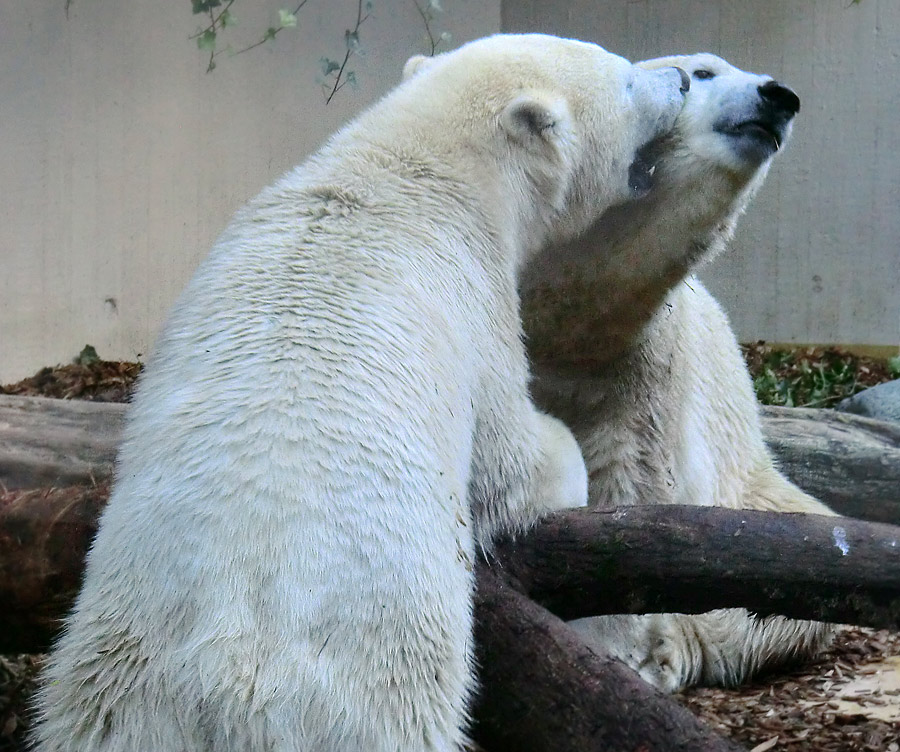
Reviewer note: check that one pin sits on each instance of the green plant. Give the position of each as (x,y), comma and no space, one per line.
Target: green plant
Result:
(813,377)
(334,74)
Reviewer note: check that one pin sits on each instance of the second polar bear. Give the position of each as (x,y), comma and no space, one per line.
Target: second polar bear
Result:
(635,355)
(337,414)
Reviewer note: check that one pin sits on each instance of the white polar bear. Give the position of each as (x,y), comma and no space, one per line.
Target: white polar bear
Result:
(337,414)
(639,360)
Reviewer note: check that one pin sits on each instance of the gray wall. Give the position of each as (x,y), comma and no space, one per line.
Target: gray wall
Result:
(121,159)
(817,259)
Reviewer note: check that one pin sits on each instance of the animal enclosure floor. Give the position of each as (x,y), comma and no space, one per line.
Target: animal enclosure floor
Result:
(849,701)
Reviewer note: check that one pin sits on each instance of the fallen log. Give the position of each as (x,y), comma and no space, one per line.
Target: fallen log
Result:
(44,537)
(849,462)
(52,442)
(542,688)
(658,559)
(575,563)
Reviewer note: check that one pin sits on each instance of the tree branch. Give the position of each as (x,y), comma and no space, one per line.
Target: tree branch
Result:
(576,563)
(660,559)
(543,689)
(340,79)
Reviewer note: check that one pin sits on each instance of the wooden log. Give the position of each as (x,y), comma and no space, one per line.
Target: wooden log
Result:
(693,559)
(44,536)
(850,462)
(575,563)
(542,688)
(52,442)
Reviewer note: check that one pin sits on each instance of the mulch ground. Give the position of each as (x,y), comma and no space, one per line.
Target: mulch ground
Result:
(97,381)
(801,711)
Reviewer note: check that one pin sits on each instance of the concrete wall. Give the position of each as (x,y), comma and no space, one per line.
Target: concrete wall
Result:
(817,259)
(121,159)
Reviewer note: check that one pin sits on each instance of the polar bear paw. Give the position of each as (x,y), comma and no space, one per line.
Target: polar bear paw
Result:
(662,662)
(652,645)
(562,481)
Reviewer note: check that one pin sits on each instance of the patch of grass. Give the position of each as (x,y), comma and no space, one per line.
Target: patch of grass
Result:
(813,377)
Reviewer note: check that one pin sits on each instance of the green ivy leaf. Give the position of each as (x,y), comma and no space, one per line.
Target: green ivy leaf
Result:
(270,33)
(207,40)
(286,19)
(328,66)
(894,366)
(88,356)
(204,6)
(352,40)
(227,19)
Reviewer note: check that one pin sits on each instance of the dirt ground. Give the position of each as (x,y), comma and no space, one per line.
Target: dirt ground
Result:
(848,701)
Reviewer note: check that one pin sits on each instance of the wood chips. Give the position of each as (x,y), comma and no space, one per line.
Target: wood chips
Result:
(808,710)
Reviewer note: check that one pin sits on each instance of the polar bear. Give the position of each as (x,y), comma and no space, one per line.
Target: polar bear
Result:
(336,415)
(639,360)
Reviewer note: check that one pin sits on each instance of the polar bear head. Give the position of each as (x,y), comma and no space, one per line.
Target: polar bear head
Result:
(588,302)
(569,120)
(733,123)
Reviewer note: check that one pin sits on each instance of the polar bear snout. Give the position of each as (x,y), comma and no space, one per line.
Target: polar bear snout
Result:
(780,97)
(761,128)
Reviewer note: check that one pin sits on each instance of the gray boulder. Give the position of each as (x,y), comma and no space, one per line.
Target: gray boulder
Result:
(881,402)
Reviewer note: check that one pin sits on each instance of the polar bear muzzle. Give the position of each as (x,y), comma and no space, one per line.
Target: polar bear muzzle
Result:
(767,130)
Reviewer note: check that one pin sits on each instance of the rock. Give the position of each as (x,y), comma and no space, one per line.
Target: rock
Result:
(881,402)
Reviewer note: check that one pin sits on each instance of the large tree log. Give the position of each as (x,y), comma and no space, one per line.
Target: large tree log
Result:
(52,442)
(543,689)
(849,462)
(576,563)
(692,559)
(44,537)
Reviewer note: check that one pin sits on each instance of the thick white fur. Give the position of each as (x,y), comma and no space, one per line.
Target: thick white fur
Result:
(336,415)
(636,356)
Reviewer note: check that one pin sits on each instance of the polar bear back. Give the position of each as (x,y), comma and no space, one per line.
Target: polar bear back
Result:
(336,413)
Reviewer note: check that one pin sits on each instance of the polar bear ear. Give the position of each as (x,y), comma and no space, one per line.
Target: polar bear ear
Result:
(535,118)
(416,64)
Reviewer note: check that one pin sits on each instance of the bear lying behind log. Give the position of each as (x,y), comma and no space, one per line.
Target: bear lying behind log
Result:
(639,360)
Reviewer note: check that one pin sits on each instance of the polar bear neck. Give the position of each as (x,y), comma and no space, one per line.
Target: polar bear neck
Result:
(588,303)
(497,203)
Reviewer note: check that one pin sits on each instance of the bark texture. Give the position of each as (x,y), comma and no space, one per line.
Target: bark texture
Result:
(542,689)
(849,462)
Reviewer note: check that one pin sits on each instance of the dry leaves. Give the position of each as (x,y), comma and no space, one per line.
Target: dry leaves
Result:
(99,381)
(802,711)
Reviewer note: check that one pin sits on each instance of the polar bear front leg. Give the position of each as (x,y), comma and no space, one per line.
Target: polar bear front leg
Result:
(723,648)
(561,479)
(539,466)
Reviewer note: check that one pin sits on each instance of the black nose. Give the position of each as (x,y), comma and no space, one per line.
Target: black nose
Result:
(780,96)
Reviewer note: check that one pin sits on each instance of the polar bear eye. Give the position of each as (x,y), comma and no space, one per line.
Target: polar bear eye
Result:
(703,74)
